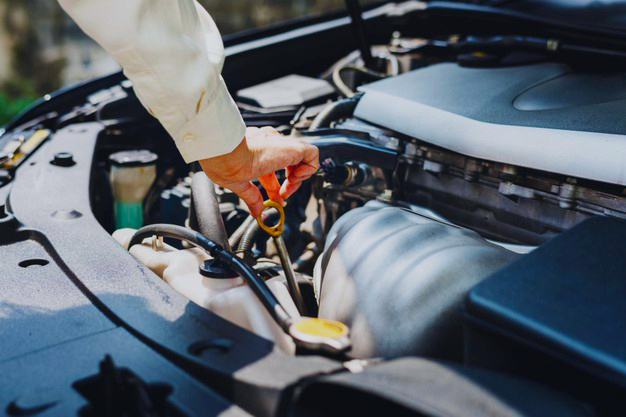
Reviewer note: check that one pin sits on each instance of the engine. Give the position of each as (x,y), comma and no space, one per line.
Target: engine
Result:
(434,176)
(459,249)
(468,211)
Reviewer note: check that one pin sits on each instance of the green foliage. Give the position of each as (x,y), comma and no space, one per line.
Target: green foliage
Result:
(15,96)
(9,108)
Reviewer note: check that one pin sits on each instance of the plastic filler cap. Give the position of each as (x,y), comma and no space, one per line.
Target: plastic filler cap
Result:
(134,158)
(215,269)
(316,333)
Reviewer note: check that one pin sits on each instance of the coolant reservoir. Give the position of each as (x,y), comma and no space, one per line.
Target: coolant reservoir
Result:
(228,297)
(132,174)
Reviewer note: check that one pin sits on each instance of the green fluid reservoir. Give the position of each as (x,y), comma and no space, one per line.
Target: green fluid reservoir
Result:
(132,175)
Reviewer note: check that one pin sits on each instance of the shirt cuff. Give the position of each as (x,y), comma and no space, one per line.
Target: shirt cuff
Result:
(216,130)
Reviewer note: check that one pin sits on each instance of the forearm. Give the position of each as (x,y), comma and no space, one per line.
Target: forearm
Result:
(173,53)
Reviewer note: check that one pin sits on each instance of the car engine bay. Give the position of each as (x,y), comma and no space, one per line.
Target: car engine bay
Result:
(468,214)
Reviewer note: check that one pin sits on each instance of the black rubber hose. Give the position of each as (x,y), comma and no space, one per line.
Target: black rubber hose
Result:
(204,212)
(358,26)
(335,111)
(343,87)
(256,284)
(355,149)
(252,232)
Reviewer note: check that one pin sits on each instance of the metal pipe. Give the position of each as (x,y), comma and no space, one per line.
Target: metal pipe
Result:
(290,276)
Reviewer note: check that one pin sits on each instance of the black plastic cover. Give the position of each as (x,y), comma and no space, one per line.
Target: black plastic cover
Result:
(65,279)
(420,387)
(48,382)
(565,300)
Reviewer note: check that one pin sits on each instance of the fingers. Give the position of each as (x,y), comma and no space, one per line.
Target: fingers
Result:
(272,152)
(285,152)
(301,172)
(291,184)
(310,158)
(272,186)
(250,195)
(289,187)
(305,170)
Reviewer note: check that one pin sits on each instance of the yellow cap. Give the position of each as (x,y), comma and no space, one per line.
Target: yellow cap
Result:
(321,328)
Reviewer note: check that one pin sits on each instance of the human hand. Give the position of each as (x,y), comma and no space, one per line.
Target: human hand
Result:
(259,155)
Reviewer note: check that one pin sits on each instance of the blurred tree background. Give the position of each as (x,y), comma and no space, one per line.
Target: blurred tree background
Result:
(41,49)
(25,71)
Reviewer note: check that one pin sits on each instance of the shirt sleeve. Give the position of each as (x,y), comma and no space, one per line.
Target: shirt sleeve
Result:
(173,53)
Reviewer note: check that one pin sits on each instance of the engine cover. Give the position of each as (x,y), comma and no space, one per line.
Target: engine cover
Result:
(398,280)
(543,116)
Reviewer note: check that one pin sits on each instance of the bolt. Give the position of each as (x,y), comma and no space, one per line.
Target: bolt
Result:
(411,150)
(567,194)
(63,159)
(386,196)
(393,143)
(472,169)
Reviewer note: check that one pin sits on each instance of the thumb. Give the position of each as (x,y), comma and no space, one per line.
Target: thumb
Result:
(250,195)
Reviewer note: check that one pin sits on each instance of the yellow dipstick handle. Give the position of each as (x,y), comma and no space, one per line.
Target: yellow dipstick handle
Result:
(277,229)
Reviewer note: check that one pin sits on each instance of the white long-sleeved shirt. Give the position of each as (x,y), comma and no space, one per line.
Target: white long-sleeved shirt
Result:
(173,53)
